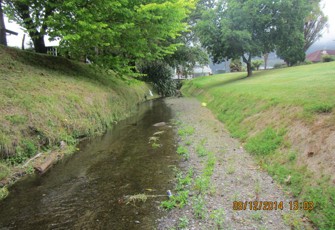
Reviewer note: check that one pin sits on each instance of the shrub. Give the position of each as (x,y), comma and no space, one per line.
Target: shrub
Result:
(160,74)
(279,65)
(255,64)
(235,65)
(327,58)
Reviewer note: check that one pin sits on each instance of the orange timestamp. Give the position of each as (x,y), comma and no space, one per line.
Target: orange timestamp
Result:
(271,205)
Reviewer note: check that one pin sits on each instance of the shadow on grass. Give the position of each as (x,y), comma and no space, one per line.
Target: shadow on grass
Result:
(224,82)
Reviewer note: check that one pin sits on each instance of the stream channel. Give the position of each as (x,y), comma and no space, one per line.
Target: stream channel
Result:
(89,189)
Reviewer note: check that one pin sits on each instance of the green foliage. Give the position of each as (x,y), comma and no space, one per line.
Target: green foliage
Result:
(235,65)
(279,65)
(185,58)
(185,131)
(242,104)
(290,39)
(229,30)
(104,31)
(65,100)
(4,171)
(199,207)
(265,142)
(183,151)
(218,216)
(255,64)
(183,222)
(328,58)
(320,108)
(3,193)
(200,149)
(116,34)
(181,198)
(160,74)
(324,206)
(16,119)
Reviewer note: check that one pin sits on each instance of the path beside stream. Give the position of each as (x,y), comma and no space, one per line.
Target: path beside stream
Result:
(236,177)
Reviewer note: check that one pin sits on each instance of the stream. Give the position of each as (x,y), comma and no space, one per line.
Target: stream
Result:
(89,189)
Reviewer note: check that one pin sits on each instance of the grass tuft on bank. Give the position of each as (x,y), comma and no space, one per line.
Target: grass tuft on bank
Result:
(46,100)
(286,119)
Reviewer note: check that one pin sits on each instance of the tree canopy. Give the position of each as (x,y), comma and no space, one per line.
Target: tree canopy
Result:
(315,22)
(249,28)
(113,34)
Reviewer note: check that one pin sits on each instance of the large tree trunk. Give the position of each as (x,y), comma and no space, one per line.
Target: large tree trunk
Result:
(36,36)
(39,44)
(3,39)
(248,62)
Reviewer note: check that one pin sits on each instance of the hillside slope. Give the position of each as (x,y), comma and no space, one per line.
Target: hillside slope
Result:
(286,119)
(45,101)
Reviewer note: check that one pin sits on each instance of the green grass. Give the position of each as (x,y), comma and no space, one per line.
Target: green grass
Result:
(260,111)
(264,142)
(183,151)
(45,100)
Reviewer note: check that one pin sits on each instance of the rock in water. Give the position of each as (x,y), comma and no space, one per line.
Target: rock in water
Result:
(159,124)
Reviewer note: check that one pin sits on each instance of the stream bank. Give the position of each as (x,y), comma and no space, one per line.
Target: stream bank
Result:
(115,181)
(223,173)
(49,103)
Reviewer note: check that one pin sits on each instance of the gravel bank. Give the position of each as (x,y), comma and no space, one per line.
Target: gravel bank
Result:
(236,177)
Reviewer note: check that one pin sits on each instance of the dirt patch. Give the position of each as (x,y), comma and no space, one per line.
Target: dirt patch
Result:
(236,177)
(315,144)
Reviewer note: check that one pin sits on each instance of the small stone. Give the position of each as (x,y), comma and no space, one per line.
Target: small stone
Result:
(137,222)
(159,124)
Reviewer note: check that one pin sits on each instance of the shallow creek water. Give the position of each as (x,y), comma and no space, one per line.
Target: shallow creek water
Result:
(87,189)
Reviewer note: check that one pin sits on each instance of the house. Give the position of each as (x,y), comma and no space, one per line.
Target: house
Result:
(197,71)
(317,55)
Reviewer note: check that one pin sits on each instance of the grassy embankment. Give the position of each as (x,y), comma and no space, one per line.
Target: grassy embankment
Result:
(45,100)
(286,119)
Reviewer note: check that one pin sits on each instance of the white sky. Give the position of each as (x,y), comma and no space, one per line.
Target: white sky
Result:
(328,35)
(329,10)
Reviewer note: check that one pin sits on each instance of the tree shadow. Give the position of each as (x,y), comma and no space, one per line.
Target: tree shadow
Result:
(224,82)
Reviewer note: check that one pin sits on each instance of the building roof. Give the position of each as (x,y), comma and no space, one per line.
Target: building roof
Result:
(317,55)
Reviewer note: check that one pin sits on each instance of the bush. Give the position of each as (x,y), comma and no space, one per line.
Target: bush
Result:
(327,58)
(235,65)
(160,74)
(279,65)
(255,64)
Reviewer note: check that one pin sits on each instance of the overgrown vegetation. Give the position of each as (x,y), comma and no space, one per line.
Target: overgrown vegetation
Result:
(46,100)
(160,74)
(260,112)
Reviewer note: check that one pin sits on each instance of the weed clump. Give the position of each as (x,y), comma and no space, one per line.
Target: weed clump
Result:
(265,142)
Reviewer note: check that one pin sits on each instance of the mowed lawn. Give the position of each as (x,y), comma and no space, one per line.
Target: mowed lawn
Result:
(266,112)
(306,85)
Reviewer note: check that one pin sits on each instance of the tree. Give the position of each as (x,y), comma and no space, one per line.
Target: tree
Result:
(290,30)
(185,58)
(33,16)
(249,28)
(315,22)
(3,40)
(115,34)
(237,28)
